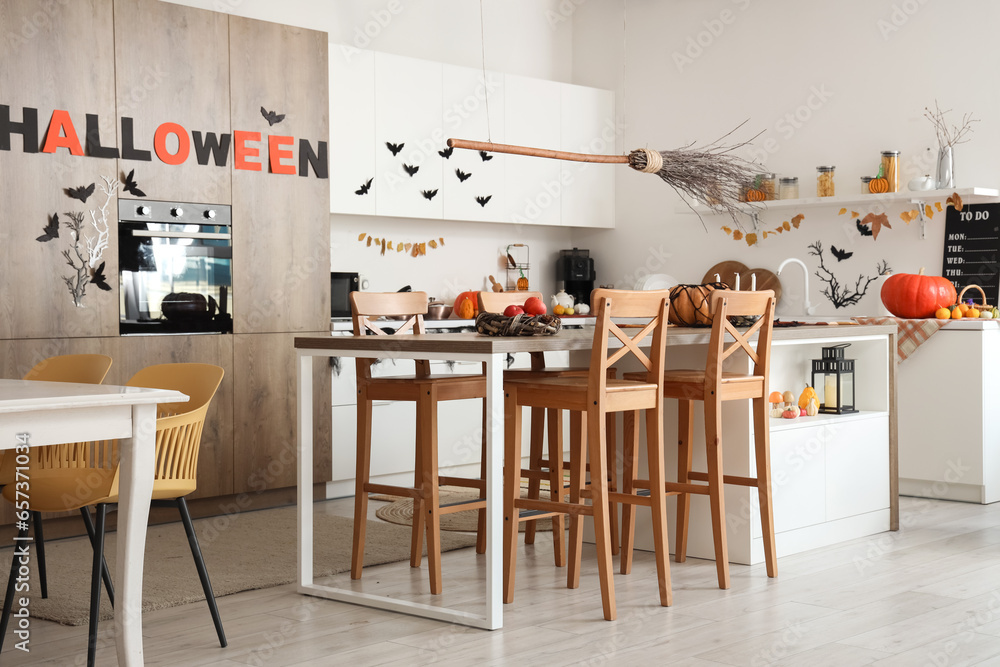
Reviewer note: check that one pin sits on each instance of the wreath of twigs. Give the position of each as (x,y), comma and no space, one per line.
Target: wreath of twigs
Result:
(495,324)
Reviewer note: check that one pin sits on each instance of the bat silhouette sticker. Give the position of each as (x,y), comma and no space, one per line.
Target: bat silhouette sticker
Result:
(365,187)
(131,186)
(841,255)
(411,170)
(271,117)
(446,153)
(82,193)
(99,279)
(394,148)
(462,176)
(486,156)
(482,201)
(428,194)
(51,229)
(864,229)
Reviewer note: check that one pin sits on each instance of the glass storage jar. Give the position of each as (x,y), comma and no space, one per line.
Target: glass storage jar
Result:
(890,169)
(824,181)
(767,184)
(788,188)
(866,185)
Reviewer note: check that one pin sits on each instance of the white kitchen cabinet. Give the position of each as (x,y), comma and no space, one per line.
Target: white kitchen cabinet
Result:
(949,434)
(408,113)
(352,115)
(534,185)
(587,125)
(467,93)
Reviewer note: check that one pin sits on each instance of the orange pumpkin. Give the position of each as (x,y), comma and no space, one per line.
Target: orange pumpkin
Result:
(877,186)
(467,305)
(689,304)
(756,194)
(914,295)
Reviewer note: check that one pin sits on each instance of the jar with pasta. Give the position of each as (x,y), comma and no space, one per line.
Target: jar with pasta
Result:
(890,169)
(824,181)
(788,187)
(767,184)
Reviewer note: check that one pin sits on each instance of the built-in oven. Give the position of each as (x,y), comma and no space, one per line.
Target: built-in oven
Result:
(175,267)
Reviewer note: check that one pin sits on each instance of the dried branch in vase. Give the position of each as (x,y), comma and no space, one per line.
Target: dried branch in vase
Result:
(949,136)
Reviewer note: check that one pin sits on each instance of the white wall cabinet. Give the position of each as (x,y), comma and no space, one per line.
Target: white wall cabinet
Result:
(378,98)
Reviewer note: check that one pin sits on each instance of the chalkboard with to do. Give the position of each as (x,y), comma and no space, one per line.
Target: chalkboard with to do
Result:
(972,249)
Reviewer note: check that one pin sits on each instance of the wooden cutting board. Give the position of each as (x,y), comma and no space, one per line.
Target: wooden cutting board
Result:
(765,280)
(727,271)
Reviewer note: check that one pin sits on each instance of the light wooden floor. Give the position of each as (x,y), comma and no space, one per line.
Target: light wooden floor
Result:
(927,595)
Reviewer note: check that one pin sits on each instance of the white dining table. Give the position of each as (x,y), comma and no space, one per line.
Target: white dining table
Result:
(36,413)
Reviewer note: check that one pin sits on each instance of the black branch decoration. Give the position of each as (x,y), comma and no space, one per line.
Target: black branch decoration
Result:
(841,295)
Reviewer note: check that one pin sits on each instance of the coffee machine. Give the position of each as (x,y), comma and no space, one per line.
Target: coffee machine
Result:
(575,268)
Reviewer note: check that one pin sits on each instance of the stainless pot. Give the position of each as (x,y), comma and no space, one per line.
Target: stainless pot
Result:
(438,311)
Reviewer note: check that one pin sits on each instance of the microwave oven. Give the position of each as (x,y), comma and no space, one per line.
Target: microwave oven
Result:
(341,286)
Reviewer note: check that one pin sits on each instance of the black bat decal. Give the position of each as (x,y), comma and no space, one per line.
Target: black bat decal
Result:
(51,229)
(82,193)
(428,194)
(365,187)
(446,153)
(462,176)
(484,200)
(841,255)
(271,117)
(99,279)
(486,156)
(864,229)
(394,148)
(131,186)
(410,170)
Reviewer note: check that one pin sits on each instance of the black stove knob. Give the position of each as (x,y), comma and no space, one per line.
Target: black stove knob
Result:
(177,212)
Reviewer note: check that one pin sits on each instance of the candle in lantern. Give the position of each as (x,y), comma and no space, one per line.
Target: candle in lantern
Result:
(830,392)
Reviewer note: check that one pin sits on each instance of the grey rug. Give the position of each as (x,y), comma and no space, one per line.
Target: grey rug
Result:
(242,552)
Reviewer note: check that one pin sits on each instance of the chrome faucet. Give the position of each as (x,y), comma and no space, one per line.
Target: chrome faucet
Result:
(810,309)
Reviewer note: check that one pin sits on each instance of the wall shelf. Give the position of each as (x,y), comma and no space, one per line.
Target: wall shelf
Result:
(968,195)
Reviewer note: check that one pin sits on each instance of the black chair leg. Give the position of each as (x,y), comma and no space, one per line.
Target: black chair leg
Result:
(8,600)
(43,580)
(95,583)
(199,562)
(105,572)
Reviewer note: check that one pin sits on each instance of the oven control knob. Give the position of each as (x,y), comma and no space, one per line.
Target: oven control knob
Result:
(142,210)
(177,212)
(210,214)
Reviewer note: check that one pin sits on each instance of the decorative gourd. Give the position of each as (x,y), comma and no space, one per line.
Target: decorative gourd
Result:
(804,397)
(789,398)
(877,186)
(467,306)
(522,283)
(689,304)
(914,295)
(756,194)
(790,413)
(812,407)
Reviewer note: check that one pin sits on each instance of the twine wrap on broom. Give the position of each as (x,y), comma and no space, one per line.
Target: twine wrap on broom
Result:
(495,324)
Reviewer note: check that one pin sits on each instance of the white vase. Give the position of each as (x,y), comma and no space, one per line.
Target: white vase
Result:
(945,168)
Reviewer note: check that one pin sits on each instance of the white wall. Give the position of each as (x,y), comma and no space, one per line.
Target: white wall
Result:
(526,37)
(876,65)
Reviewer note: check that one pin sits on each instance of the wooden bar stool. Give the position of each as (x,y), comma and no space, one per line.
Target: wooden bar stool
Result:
(713,386)
(425,390)
(549,466)
(590,399)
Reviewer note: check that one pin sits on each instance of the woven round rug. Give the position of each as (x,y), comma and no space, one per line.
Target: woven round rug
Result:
(401,512)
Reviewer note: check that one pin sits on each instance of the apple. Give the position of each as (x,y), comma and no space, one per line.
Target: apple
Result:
(534,306)
(512,310)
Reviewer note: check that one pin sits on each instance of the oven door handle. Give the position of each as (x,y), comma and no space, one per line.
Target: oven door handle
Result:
(180,235)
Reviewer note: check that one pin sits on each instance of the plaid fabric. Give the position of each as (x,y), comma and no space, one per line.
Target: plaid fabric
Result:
(912,333)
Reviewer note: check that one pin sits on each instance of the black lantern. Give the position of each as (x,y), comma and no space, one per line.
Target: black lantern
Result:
(833,381)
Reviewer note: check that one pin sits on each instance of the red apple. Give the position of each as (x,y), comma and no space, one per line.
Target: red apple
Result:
(512,310)
(534,306)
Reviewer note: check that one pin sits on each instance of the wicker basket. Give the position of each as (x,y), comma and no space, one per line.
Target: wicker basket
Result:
(495,324)
(982,294)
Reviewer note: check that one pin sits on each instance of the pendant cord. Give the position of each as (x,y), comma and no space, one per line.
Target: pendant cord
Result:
(486,87)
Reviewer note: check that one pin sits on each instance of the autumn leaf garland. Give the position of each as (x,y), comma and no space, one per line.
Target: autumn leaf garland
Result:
(752,238)
(415,249)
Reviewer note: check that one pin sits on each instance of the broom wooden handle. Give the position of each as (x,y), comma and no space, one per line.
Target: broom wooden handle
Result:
(536,152)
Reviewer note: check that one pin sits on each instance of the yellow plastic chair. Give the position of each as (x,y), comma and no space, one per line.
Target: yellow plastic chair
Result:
(79,368)
(85,474)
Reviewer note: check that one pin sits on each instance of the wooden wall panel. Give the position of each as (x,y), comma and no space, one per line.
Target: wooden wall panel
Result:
(55,56)
(265,405)
(215,461)
(281,222)
(172,66)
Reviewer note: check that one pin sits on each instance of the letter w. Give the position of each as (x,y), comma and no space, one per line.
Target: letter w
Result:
(211,145)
